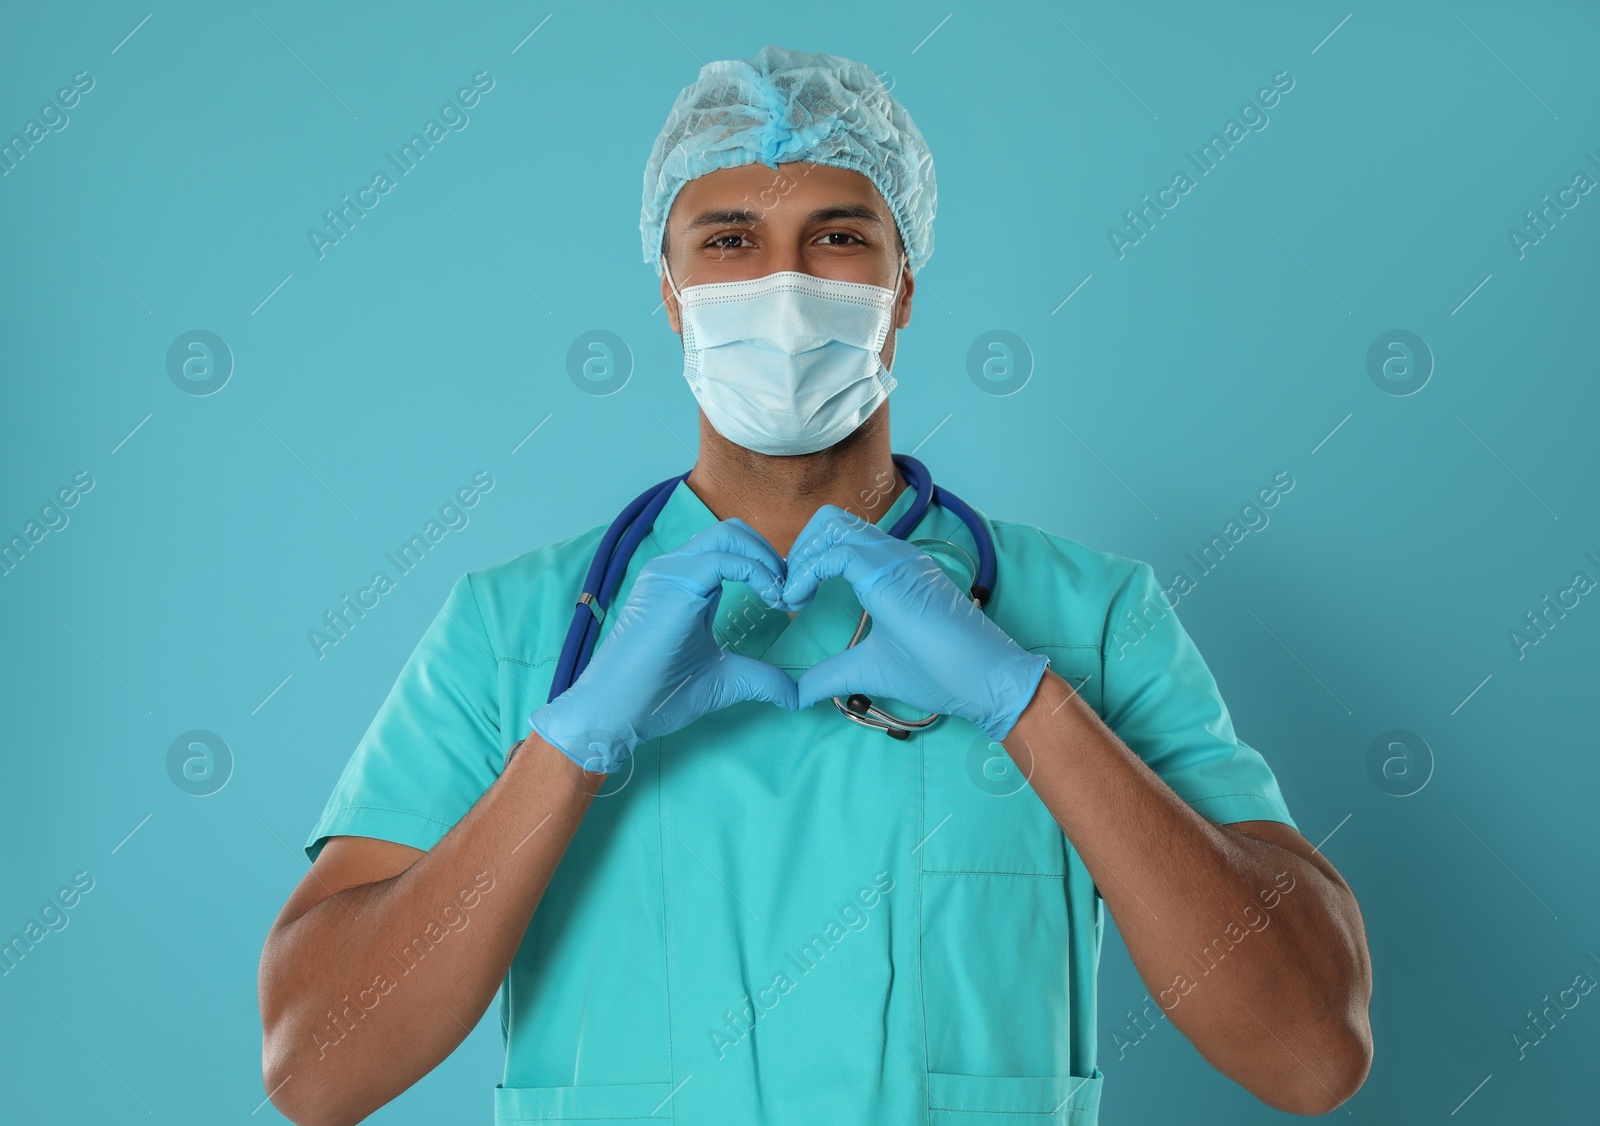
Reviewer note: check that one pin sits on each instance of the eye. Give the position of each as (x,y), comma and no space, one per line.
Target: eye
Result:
(843,234)
(720,242)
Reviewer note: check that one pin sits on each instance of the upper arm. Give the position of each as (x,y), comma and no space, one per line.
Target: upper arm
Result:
(344,863)
(1289,839)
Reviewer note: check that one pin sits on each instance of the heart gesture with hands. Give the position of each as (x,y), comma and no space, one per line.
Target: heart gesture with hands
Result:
(661,668)
(929,645)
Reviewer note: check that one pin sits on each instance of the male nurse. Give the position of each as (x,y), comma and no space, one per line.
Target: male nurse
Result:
(703,894)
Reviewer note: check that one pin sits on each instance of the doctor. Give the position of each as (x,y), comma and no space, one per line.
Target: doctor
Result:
(703,894)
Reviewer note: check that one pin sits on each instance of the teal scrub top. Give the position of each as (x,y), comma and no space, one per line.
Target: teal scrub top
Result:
(787,917)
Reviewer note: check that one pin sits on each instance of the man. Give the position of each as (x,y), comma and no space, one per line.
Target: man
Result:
(704,894)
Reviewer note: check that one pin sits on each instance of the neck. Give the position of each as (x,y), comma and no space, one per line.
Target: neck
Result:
(777,496)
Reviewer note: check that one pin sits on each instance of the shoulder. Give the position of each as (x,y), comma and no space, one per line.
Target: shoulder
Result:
(1056,595)
(1052,566)
(563,557)
(523,598)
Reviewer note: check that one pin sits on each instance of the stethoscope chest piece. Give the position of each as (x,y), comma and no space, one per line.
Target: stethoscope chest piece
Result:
(859,706)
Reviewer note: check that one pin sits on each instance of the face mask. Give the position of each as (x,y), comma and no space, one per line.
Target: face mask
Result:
(786,363)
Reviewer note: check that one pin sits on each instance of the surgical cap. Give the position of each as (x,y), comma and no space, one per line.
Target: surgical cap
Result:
(788,106)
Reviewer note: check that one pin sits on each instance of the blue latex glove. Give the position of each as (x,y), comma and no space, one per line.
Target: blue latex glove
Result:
(660,668)
(929,645)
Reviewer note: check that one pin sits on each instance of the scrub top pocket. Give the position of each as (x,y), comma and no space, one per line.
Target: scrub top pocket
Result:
(999,935)
(1013,1100)
(607,1104)
(997,974)
(980,814)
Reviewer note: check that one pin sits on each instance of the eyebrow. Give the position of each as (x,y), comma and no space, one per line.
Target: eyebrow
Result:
(743,216)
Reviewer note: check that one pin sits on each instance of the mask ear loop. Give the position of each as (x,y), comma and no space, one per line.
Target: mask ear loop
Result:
(683,324)
(894,300)
(673,285)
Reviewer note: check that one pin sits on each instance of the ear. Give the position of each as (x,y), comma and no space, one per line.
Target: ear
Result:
(670,299)
(902,308)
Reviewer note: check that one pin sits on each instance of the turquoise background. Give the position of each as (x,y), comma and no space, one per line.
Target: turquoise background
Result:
(365,387)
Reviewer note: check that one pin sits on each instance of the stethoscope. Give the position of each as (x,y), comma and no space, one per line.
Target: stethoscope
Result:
(635,521)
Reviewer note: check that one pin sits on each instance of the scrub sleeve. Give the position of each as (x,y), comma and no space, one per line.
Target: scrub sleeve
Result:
(1162,701)
(434,746)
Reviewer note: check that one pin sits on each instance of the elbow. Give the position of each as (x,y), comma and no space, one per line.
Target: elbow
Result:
(286,1092)
(290,1075)
(303,1087)
(1354,1063)
(278,1064)
(1339,1040)
(306,1086)
(276,1076)
(1330,1077)
(296,1098)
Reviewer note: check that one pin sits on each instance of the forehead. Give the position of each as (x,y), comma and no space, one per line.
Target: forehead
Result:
(795,186)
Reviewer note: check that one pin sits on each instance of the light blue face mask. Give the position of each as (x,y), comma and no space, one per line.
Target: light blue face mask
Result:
(786,363)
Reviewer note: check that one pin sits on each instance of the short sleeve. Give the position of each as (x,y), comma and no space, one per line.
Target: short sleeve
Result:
(434,746)
(1162,701)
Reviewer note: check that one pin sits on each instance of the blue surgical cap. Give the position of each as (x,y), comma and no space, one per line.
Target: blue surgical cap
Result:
(785,106)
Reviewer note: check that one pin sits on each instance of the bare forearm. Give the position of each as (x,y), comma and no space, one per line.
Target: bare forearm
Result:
(1256,953)
(371,988)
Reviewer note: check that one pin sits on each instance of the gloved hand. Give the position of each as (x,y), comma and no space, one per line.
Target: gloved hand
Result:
(928,644)
(659,668)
